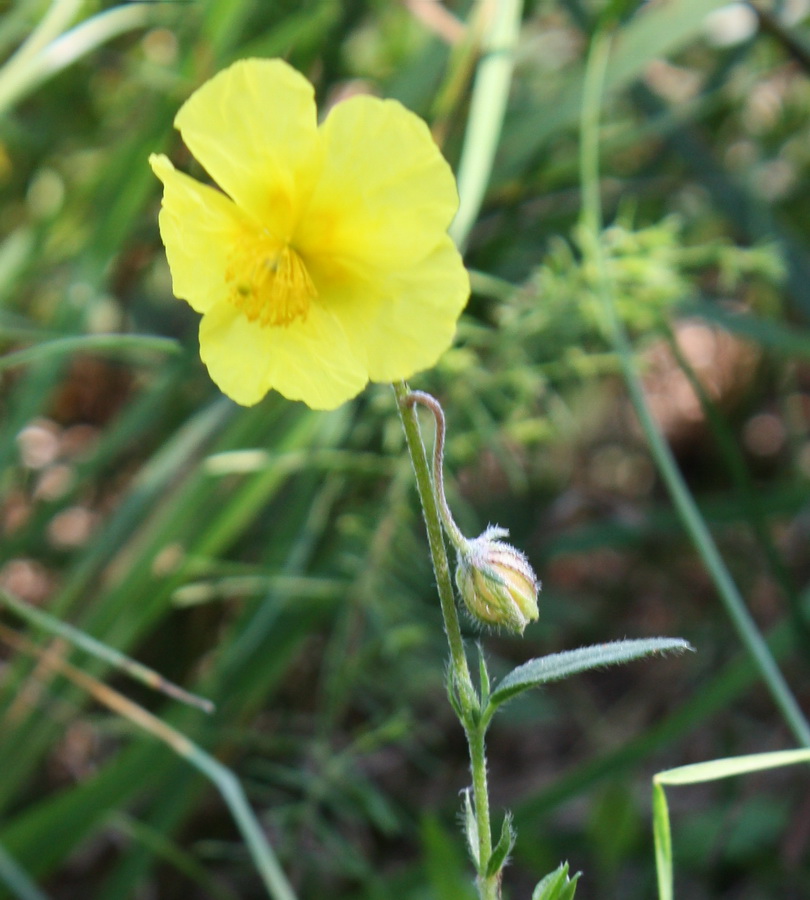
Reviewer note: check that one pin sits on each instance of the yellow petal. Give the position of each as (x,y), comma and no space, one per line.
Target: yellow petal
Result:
(307,360)
(198,225)
(385,193)
(399,322)
(253,127)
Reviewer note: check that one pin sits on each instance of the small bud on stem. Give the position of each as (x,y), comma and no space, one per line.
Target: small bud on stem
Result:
(495,580)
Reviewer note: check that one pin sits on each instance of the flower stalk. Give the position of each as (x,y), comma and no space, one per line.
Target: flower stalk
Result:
(460,671)
(486,576)
(457,539)
(495,580)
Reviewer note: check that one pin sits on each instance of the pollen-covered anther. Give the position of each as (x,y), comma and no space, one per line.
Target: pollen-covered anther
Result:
(269,284)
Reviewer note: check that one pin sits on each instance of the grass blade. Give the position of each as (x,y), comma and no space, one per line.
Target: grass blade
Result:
(698,773)
(662,837)
(78,638)
(118,344)
(16,880)
(715,769)
(487,110)
(222,777)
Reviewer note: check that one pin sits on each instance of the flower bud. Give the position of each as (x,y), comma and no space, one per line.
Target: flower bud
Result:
(496,582)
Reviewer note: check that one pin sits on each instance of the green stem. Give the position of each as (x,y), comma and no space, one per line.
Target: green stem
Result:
(438,552)
(488,888)
(617,334)
(457,539)
(432,497)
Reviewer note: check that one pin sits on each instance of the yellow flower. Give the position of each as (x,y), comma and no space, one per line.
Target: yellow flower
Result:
(325,263)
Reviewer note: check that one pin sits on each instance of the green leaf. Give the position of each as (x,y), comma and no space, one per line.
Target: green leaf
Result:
(503,848)
(696,774)
(730,766)
(663,843)
(17,880)
(452,695)
(557,885)
(557,666)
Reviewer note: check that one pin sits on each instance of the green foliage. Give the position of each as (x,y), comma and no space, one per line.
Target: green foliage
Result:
(557,885)
(129,489)
(699,773)
(537,672)
(448,871)
(503,848)
(652,272)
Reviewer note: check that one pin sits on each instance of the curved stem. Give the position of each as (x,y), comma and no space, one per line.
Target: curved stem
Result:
(436,511)
(438,552)
(457,539)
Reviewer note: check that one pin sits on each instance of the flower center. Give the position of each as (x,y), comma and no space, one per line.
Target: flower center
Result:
(269,282)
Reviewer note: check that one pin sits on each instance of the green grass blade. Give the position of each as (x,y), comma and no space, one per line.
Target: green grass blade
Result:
(16,880)
(114,344)
(662,453)
(662,837)
(69,47)
(715,769)
(78,638)
(698,773)
(170,853)
(654,32)
(487,110)
(220,775)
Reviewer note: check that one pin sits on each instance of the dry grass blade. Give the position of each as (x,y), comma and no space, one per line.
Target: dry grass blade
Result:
(222,777)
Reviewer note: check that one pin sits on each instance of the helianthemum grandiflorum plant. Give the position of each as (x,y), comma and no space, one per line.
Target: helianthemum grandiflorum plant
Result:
(319,263)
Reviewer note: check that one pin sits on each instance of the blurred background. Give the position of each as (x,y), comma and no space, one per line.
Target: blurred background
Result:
(273,559)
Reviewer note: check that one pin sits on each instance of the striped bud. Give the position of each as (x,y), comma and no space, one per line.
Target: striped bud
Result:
(496,582)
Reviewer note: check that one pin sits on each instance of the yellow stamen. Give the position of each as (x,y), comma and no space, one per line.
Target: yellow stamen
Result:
(269,281)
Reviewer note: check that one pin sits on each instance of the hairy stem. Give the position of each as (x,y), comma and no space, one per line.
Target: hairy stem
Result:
(457,539)
(436,512)
(438,551)
(488,888)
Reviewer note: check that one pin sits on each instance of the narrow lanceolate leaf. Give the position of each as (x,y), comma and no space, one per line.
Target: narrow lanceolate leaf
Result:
(503,848)
(557,666)
(730,766)
(663,843)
